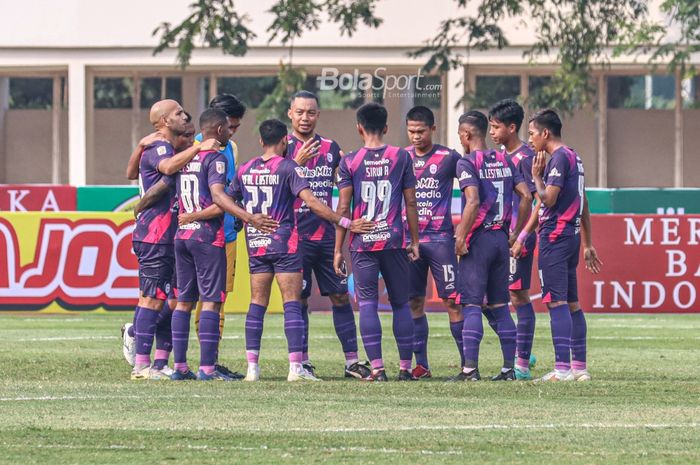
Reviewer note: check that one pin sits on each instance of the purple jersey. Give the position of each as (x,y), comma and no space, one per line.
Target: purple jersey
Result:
(522,159)
(435,174)
(378,177)
(564,170)
(194,195)
(156,224)
(319,172)
(495,177)
(270,187)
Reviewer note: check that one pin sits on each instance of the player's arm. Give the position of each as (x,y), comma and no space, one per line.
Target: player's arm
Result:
(590,255)
(358,226)
(132,167)
(524,211)
(172,165)
(409,198)
(212,211)
(152,196)
(471,209)
(343,209)
(548,194)
(517,240)
(263,223)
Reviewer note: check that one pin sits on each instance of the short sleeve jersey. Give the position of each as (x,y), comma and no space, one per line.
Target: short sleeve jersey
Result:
(522,159)
(156,224)
(270,187)
(378,177)
(563,219)
(194,195)
(319,172)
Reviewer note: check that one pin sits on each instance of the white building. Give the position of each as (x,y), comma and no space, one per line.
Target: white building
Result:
(95,61)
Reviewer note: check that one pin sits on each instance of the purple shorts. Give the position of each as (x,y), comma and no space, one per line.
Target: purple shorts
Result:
(484,270)
(392,264)
(440,258)
(318,258)
(522,278)
(276,263)
(156,269)
(201,271)
(557,265)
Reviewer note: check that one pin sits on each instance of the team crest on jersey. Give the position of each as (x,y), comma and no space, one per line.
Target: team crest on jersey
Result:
(433,169)
(161,150)
(329,157)
(220,167)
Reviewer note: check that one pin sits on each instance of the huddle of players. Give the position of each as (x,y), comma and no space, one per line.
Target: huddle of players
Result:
(397,205)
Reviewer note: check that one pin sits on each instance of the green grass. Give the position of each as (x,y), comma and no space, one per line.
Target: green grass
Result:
(65,397)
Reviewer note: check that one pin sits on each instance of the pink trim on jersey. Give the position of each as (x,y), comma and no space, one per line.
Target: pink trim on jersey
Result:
(564,219)
(158,225)
(318,234)
(219,239)
(184,235)
(357,159)
(293,240)
(325,146)
(516,286)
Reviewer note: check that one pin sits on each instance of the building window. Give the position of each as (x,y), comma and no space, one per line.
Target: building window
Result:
(113,92)
(642,92)
(536,91)
(691,92)
(31,93)
(251,90)
(491,89)
(152,90)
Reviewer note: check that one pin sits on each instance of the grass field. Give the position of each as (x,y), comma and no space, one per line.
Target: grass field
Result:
(65,397)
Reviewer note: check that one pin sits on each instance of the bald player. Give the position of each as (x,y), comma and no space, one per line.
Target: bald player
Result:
(155,229)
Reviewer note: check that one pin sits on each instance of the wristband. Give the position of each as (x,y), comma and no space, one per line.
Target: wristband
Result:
(523,236)
(344,223)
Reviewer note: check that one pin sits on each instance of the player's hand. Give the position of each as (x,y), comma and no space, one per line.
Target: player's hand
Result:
(461,247)
(593,263)
(307,151)
(413,251)
(539,163)
(339,265)
(152,138)
(185,218)
(209,144)
(512,239)
(361,226)
(263,223)
(516,249)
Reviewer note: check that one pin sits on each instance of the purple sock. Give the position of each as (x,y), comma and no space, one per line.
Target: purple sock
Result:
(420,340)
(506,334)
(164,337)
(132,329)
(403,332)
(305,317)
(145,331)
(526,334)
(208,340)
(344,323)
(561,336)
(294,326)
(491,318)
(456,330)
(181,337)
(578,340)
(472,333)
(371,330)
(254,326)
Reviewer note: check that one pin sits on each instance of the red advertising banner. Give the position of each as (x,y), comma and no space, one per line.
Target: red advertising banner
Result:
(79,261)
(37,198)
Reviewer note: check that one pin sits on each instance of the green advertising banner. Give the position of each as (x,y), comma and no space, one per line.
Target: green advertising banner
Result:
(107,198)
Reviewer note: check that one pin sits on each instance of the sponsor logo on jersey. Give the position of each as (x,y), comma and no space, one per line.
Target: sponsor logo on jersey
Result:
(260,242)
(375,237)
(554,173)
(464,176)
(419,163)
(162,150)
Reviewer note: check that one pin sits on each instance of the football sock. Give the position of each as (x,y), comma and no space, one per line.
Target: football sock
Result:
(472,333)
(403,333)
(371,331)
(578,340)
(254,326)
(132,330)
(345,328)
(181,337)
(208,340)
(506,334)
(561,336)
(456,330)
(294,330)
(252,356)
(164,336)
(491,318)
(526,334)
(420,340)
(305,317)
(145,331)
